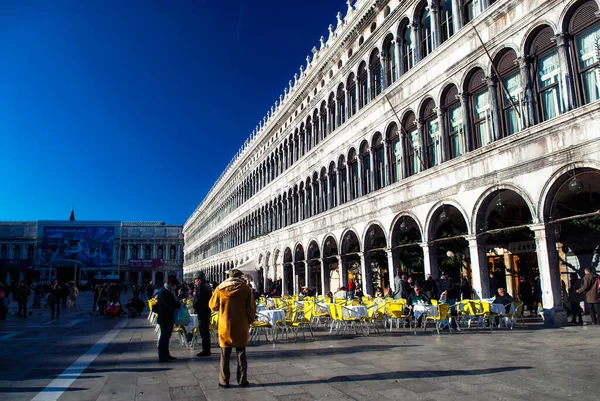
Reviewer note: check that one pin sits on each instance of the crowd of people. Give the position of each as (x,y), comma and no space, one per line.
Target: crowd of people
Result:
(54,296)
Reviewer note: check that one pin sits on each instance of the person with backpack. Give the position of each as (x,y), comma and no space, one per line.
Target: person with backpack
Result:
(591,288)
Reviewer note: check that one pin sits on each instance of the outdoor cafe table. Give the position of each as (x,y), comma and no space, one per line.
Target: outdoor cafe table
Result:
(322,307)
(354,311)
(274,315)
(498,309)
(429,310)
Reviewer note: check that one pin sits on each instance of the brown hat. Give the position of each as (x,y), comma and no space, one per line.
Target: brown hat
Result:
(235,273)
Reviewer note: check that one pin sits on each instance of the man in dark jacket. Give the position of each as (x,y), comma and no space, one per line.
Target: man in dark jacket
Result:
(201,297)
(590,289)
(21,296)
(167,305)
(494,285)
(54,298)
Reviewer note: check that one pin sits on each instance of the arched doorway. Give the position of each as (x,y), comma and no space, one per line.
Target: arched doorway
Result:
(288,272)
(352,259)
(502,224)
(313,267)
(376,260)
(407,253)
(333,278)
(448,249)
(300,269)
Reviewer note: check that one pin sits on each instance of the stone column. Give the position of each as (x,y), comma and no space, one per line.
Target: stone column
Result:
(283,279)
(294,278)
(391,268)
(441,112)
(306,274)
(154,277)
(479,268)
(415,42)
(339,186)
(348,183)
(547,256)
(492,84)
(329,200)
(456,15)
(324,284)
(363,273)
(418,148)
(371,169)
(128,251)
(384,61)
(343,270)
(360,172)
(435,24)
(430,264)
(139,278)
(468,124)
(566,77)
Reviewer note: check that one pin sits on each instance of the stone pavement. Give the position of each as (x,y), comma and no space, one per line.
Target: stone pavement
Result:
(524,364)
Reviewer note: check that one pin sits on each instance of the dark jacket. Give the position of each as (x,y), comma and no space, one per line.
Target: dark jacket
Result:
(525,292)
(201,298)
(55,294)
(431,288)
(167,305)
(589,288)
(21,294)
(446,285)
(414,299)
(494,285)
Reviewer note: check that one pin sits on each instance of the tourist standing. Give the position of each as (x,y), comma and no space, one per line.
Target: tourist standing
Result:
(54,299)
(592,294)
(234,301)
(575,299)
(96,296)
(201,299)
(167,305)
(150,290)
(525,295)
(21,296)
(74,295)
(103,298)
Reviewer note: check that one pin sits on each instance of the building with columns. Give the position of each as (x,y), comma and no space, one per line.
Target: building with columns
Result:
(422,136)
(90,251)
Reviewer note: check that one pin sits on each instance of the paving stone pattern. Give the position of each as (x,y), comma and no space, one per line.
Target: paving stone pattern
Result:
(523,364)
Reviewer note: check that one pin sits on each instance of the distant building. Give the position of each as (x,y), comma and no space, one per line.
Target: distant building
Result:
(420,137)
(90,251)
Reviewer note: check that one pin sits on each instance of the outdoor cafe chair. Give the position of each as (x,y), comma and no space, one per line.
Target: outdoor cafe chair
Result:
(395,311)
(301,321)
(261,324)
(443,316)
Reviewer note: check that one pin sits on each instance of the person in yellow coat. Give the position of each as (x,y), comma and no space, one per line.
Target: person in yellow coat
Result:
(234,301)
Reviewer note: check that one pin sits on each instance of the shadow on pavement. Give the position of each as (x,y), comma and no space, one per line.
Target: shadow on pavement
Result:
(38,389)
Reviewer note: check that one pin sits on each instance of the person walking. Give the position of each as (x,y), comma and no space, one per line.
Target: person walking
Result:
(21,296)
(74,295)
(591,289)
(96,297)
(102,298)
(54,299)
(234,301)
(201,299)
(575,299)
(167,305)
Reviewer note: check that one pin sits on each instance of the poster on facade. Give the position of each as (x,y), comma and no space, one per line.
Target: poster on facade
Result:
(91,246)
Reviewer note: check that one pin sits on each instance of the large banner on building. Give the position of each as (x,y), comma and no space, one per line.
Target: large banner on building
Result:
(92,246)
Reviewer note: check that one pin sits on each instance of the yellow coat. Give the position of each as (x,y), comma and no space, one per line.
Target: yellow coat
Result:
(234,301)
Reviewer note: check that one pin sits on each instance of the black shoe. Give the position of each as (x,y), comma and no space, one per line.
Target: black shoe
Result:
(224,385)
(164,360)
(245,384)
(171,358)
(203,353)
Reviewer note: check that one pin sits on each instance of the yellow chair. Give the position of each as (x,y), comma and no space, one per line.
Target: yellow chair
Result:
(434,302)
(395,311)
(374,316)
(443,314)
(301,320)
(261,324)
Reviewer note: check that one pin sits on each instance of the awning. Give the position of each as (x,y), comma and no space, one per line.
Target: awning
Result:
(250,268)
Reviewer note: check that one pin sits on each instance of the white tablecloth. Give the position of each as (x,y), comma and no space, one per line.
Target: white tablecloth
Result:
(270,303)
(498,309)
(429,310)
(354,311)
(261,307)
(274,315)
(322,307)
(194,322)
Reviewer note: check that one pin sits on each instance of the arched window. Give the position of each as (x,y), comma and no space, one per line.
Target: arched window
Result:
(480,108)
(147,252)
(454,123)
(546,74)
(343,180)
(309,197)
(317,193)
(406,47)
(365,156)
(331,123)
(446,20)
(378,162)
(316,128)
(469,10)
(333,184)
(323,114)
(424,30)
(362,85)
(324,190)
(431,134)
(309,134)
(135,252)
(584,29)
(351,85)
(341,105)
(161,252)
(512,94)
(395,156)
(390,60)
(30,252)
(302,140)
(353,166)
(376,76)
(17,252)
(412,145)
(173,252)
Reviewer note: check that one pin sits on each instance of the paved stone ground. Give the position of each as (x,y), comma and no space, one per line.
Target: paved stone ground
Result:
(527,363)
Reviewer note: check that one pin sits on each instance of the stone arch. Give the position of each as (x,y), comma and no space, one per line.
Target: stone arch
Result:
(436,210)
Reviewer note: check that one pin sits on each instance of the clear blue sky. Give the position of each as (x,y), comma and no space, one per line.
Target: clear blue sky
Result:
(130,109)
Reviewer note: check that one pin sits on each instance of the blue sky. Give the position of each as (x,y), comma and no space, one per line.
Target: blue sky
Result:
(131,109)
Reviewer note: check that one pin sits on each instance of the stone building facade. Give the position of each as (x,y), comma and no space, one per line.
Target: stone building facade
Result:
(90,251)
(421,136)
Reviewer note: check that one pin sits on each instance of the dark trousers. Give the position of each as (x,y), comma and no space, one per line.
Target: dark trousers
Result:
(576,312)
(205,332)
(23,308)
(55,309)
(101,307)
(242,365)
(95,304)
(595,313)
(164,340)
